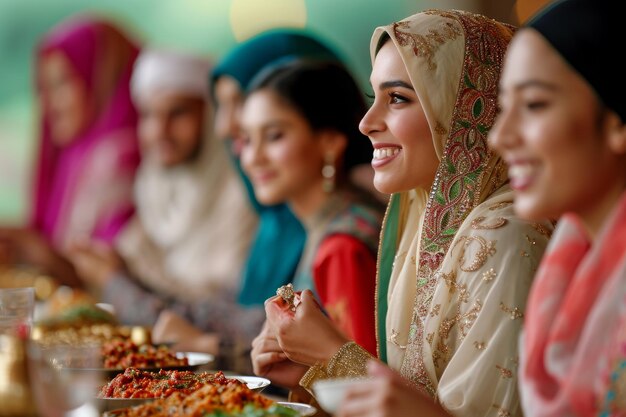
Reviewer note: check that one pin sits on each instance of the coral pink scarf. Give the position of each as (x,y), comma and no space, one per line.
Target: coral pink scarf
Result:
(575,312)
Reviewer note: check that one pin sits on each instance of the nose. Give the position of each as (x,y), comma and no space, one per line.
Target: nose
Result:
(152,129)
(503,133)
(226,123)
(252,154)
(372,122)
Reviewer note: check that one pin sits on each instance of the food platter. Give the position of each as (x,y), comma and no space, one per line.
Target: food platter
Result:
(303,410)
(196,361)
(107,404)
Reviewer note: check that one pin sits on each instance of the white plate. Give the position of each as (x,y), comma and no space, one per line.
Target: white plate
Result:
(255,383)
(304,410)
(196,360)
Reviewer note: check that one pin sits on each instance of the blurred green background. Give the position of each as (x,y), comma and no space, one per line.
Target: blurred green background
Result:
(206,27)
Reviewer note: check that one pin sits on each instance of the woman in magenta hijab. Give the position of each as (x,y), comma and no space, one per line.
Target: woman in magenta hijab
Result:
(88,151)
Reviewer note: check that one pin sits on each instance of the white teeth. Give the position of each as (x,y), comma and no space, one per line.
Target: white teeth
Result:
(382,153)
(520,171)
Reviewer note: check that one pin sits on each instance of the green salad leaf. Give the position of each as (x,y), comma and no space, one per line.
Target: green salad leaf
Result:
(251,411)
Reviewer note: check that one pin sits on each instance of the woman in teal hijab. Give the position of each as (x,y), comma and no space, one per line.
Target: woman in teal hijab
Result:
(278,244)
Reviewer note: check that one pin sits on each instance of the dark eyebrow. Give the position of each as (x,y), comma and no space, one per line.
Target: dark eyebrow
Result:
(536,83)
(395,83)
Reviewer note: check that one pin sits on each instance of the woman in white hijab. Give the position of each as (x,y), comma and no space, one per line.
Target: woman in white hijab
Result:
(193,225)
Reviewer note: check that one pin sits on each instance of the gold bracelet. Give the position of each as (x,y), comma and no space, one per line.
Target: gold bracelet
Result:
(350,361)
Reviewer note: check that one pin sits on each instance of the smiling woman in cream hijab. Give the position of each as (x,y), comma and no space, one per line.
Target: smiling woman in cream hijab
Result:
(455,263)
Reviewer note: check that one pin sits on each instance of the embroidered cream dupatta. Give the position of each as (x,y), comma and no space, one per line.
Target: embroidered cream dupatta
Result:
(451,301)
(455,264)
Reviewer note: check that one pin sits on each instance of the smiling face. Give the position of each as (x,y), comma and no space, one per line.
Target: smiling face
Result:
(562,147)
(404,154)
(281,154)
(171,127)
(64,98)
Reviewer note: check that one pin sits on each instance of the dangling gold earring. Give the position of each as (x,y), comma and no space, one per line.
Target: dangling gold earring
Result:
(328,172)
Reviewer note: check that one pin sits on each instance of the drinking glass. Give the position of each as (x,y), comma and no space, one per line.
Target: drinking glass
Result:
(16,311)
(65,378)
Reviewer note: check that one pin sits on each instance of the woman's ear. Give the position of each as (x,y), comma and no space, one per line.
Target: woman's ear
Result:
(333,143)
(616,133)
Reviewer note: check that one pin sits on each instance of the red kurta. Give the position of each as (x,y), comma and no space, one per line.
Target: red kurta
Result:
(344,273)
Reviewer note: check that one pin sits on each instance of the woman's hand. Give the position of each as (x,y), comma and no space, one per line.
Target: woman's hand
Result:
(172,328)
(306,336)
(29,247)
(269,361)
(387,394)
(25,246)
(96,263)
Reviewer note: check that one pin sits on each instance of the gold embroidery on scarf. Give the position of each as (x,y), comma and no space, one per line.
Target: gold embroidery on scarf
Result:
(399,256)
(524,254)
(489,275)
(498,177)
(425,46)
(440,129)
(468,319)
(502,412)
(506,373)
(449,279)
(542,229)
(478,224)
(430,337)
(480,345)
(464,321)
(502,204)
(514,313)
(435,311)
(482,62)
(531,240)
(393,339)
(487,248)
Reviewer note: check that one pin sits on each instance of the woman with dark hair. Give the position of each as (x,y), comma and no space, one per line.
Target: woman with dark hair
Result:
(300,138)
(562,131)
(279,239)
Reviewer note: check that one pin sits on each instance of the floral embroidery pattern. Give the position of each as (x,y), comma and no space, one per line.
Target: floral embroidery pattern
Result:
(514,313)
(501,411)
(542,229)
(506,373)
(480,345)
(458,183)
(487,248)
(425,46)
(489,275)
(477,223)
(500,205)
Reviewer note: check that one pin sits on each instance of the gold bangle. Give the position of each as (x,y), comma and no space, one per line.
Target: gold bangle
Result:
(350,361)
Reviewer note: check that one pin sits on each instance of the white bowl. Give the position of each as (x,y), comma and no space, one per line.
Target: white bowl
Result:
(329,393)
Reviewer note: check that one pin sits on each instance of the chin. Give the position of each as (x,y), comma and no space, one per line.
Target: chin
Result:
(384,187)
(267,199)
(531,209)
